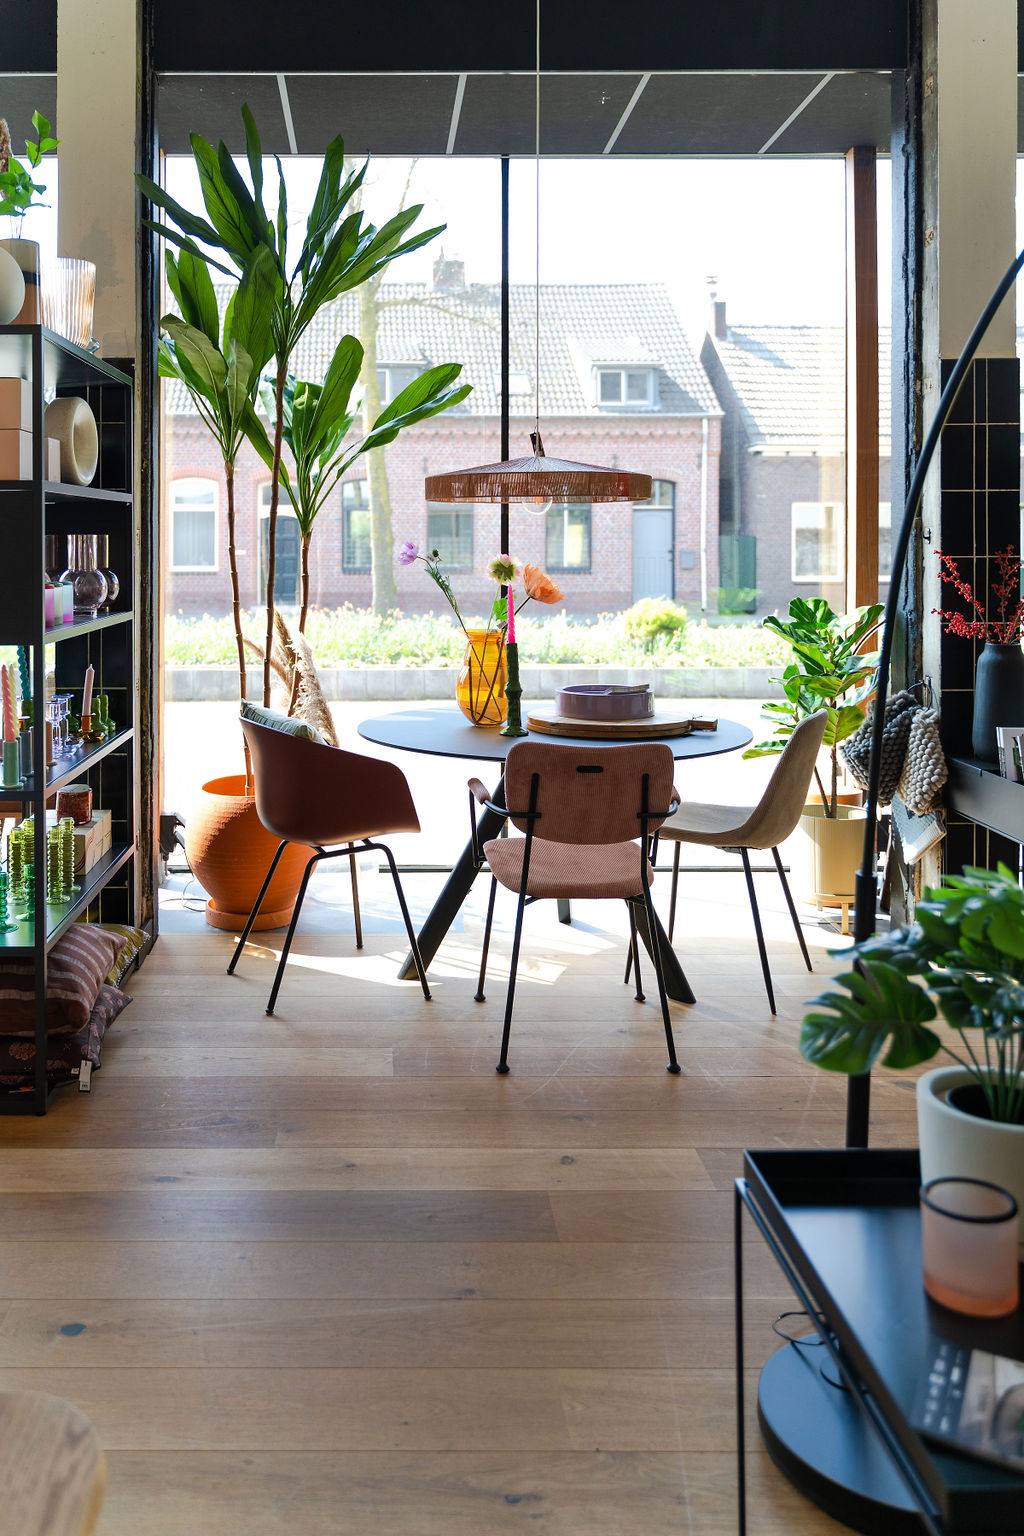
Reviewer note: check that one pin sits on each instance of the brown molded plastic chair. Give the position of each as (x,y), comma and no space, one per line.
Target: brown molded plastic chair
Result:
(311,793)
(739,828)
(591,816)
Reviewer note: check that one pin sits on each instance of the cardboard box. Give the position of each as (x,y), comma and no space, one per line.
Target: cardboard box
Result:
(52,458)
(16,405)
(92,840)
(15,454)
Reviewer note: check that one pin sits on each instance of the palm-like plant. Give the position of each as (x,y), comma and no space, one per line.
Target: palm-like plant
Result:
(338,253)
(830,672)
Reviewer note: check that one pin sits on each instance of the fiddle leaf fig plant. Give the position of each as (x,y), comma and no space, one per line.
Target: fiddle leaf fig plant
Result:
(829,671)
(962,958)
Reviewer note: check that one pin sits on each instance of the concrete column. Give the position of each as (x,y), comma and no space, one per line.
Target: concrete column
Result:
(969,127)
(97,121)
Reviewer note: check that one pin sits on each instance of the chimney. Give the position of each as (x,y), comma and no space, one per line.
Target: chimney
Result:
(449,274)
(719,325)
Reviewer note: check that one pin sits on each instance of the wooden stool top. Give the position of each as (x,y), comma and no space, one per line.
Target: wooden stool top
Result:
(52,1469)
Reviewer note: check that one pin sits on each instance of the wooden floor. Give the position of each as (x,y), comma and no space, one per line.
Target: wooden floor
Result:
(327,1273)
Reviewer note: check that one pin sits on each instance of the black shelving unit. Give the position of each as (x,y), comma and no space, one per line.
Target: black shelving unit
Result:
(29,510)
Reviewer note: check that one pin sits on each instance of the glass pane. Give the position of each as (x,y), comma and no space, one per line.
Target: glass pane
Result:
(355,554)
(638,389)
(450,532)
(884,540)
(817,541)
(568,537)
(194,537)
(611,387)
(355,493)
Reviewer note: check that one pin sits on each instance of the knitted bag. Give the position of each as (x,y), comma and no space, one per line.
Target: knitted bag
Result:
(924,767)
(855,751)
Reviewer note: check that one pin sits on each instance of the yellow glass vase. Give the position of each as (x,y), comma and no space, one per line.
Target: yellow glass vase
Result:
(480,688)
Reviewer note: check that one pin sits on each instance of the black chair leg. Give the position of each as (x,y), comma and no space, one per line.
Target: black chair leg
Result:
(659,971)
(355,898)
(634,955)
(510,995)
(256,909)
(792,909)
(300,898)
(480,996)
(757,929)
(675,886)
(413,942)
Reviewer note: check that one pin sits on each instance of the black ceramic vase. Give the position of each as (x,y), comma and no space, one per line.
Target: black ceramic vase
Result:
(998,695)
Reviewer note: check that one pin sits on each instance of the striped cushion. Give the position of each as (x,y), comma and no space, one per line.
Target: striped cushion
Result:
(76,968)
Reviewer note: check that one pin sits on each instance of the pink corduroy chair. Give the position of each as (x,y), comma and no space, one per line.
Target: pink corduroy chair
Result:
(590,817)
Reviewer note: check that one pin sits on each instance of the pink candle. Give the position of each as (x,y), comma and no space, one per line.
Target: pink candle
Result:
(90,673)
(511,617)
(8,695)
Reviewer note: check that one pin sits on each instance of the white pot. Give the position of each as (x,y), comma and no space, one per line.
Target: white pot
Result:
(70,420)
(26,254)
(956,1145)
(832,848)
(12,287)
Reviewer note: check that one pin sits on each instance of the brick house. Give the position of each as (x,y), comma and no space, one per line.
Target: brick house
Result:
(620,385)
(782,496)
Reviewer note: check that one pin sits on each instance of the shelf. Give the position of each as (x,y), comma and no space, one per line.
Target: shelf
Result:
(85,627)
(66,769)
(58,919)
(71,365)
(54,490)
(976,791)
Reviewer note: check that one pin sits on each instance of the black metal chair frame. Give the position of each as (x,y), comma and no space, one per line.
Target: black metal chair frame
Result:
(348,851)
(648,854)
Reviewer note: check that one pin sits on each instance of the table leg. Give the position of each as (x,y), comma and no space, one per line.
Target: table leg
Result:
(676,984)
(564,910)
(456,888)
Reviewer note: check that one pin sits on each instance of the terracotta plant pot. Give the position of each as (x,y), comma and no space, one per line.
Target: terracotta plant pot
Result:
(229,851)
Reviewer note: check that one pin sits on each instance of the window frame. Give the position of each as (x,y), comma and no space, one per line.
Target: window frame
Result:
(623,402)
(819,578)
(364,506)
(453,510)
(174,508)
(553,565)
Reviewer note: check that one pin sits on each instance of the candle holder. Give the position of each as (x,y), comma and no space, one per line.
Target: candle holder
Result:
(6,924)
(55,896)
(513,692)
(67,845)
(11,765)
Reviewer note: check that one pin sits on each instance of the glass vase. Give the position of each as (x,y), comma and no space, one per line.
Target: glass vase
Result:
(87,580)
(480,687)
(103,562)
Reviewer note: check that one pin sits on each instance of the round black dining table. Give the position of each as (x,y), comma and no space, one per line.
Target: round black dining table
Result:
(442,730)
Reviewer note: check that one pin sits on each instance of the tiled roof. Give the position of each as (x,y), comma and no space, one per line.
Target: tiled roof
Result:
(580,324)
(791,383)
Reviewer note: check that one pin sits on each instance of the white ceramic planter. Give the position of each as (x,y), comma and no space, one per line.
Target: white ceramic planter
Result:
(12,287)
(955,1145)
(832,848)
(70,420)
(26,254)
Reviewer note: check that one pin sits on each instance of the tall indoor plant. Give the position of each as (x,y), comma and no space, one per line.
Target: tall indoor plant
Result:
(963,959)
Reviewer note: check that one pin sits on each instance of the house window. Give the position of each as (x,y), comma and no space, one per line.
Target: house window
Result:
(355,526)
(450,532)
(818,550)
(663,494)
(193,525)
(568,536)
(287,580)
(625,386)
(393,378)
(884,540)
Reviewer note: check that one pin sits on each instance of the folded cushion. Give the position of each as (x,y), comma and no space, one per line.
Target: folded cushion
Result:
(76,968)
(291,725)
(64,1052)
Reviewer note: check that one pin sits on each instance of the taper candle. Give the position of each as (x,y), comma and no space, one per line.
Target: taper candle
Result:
(90,673)
(511,604)
(10,731)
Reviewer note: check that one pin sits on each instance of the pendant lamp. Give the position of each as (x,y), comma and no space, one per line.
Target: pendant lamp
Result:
(537,478)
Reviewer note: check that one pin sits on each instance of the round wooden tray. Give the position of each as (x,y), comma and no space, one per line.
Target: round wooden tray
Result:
(664,722)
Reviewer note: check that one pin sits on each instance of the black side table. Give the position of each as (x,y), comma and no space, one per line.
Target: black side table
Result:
(844,1228)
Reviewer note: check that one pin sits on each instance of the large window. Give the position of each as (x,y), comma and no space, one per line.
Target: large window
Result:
(355,526)
(450,532)
(818,547)
(193,525)
(568,536)
(625,386)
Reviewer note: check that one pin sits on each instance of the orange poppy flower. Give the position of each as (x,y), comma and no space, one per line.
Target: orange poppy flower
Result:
(539,585)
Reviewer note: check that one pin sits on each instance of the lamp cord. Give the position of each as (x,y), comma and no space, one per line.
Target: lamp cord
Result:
(538,448)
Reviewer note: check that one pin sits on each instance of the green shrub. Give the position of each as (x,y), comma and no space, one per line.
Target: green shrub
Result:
(653,619)
(738,599)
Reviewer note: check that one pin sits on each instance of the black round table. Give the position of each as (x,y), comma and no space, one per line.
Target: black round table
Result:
(443,731)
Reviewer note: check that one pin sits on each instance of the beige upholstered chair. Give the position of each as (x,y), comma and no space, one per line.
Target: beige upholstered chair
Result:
(764,825)
(590,815)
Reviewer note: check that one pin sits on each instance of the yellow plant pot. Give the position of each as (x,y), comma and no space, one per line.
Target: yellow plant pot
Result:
(480,687)
(832,849)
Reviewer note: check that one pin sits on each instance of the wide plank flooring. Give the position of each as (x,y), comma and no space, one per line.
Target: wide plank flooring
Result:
(327,1273)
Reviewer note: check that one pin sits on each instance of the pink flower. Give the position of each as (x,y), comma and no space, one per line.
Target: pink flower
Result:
(408,553)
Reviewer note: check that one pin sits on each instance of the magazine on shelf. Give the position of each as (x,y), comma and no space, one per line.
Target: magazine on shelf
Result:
(1008,751)
(973,1402)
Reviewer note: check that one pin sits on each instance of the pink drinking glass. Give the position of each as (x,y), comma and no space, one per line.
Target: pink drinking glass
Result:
(969,1246)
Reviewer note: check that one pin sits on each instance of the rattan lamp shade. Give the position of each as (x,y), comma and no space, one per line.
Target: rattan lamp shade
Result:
(538,478)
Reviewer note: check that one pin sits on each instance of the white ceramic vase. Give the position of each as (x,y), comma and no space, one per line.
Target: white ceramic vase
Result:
(957,1145)
(12,287)
(26,254)
(70,420)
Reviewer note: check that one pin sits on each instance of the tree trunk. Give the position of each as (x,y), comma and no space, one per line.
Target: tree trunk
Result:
(236,606)
(382,542)
(275,491)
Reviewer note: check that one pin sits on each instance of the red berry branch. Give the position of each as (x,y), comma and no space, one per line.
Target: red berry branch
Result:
(1005,629)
